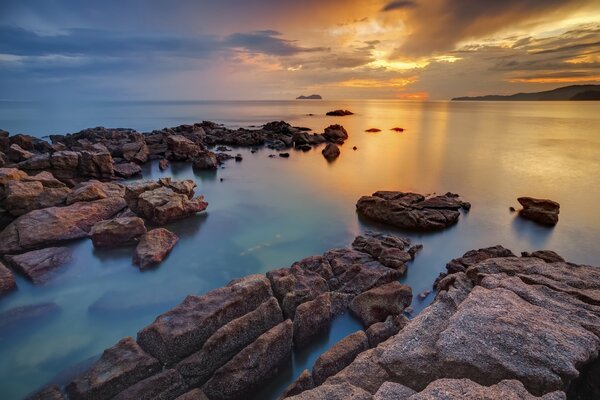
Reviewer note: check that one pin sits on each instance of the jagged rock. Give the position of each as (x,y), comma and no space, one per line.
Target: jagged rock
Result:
(119,367)
(94,190)
(13,319)
(474,256)
(35,162)
(184,329)
(331,151)
(52,392)
(65,160)
(56,224)
(410,210)
(294,286)
(24,141)
(381,331)
(546,255)
(392,390)
(163,164)
(318,264)
(389,250)
(376,304)
(182,148)
(227,341)
(339,113)
(252,366)
(335,134)
(165,385)
(542,211)
(302,383)
(163,205)
(153,247)
(339,356)
(7,280)
(467,389)
(127,170)
(25,196)
(195,394)
(334,392)
(17,154)
(135,151)
(186,186)
(96,162)
(117,232)
(206,160)
(40,265)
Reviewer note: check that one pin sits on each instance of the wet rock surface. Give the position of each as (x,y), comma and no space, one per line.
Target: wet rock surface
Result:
(40,265)
(542,211)
(412,211)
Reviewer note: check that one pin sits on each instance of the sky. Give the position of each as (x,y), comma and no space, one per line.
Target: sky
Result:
(280,49)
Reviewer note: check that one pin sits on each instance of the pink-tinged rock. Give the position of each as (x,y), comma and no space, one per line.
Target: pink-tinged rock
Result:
(376,304)
(164,205)
(7,280)
(165,385)
(542,211)
(339,356)
(40,265)
(117,232)
(153,247)
(11,174)
(127,170)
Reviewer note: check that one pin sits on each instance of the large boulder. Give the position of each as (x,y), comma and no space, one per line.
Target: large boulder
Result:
(7,280)
(35,163)
(184,329)
(153,247)
(335,134)
(377,304)
(24,196)
(542,211)
(164,205)
(52,225)
(412,211)
(117,232)
(339,356)
(253,366)
(119,367)
(227,341)
(303,383)
(40,265)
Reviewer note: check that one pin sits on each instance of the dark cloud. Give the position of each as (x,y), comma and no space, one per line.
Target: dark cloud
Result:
(399,5)
(267,42)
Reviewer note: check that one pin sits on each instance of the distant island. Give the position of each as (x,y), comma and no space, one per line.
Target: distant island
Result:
(573,92)
(311,97)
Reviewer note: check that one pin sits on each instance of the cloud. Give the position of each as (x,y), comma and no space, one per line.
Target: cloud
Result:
(399,5)
(267,42)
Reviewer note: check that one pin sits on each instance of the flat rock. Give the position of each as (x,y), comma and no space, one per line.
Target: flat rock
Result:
(412,211)
(339,356)
(459,389)
(376,304)
(165,385)
(40,265)
(117,232)
(253,366)
(119,367)
(182,148)
(542,211)
(472,257)
(153,247)
(94,190)
(56,224)
(227,341)
(7,280)
(184,329)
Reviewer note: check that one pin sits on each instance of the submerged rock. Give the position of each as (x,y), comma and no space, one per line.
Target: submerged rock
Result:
(117,232)
(153,247)
(411,210)
(377,304)
(12,320)
(542,211)
(40,265)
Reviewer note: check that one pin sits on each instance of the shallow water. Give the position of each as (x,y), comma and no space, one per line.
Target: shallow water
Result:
(270,212)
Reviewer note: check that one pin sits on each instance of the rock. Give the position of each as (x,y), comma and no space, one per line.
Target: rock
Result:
(312,319)
(474,256)
(252,366)
(35,162)
(117,232)
(335,134)
(206,160)
(164,205)
(381,331)
(284,155)
(467,389)
(339,356)
(11,174)
(389,250)
(372,130)
(185,186)
(14,319)
(391,390)
(40,265)
(94,190)
(238,157)
(227,341)
(410,210)
(182,148)
(119,367)
(163,164)
(127,170)
(46,179)
(165,385)
(334,392)
(423,295)
(294,286)
(17,154)
(302,383)
(195,394)
(25,196)
(331,151)
(541,211)
(24,141)
(52,392)
(136,151)
(96,163)
(153,247)
(376,304)
(56,224)
(65,160)
(7,280)
(184,329)
(546,255)
(339,113)
(3,159)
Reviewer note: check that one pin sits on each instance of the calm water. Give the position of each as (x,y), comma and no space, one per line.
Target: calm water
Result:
(270,212)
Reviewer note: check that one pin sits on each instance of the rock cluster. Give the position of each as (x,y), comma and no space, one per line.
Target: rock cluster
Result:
(412,211)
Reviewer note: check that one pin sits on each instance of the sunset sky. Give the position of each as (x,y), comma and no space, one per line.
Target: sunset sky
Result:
(279,49)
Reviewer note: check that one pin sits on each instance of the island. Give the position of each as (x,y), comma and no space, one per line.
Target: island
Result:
(573,92)
(311,97)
